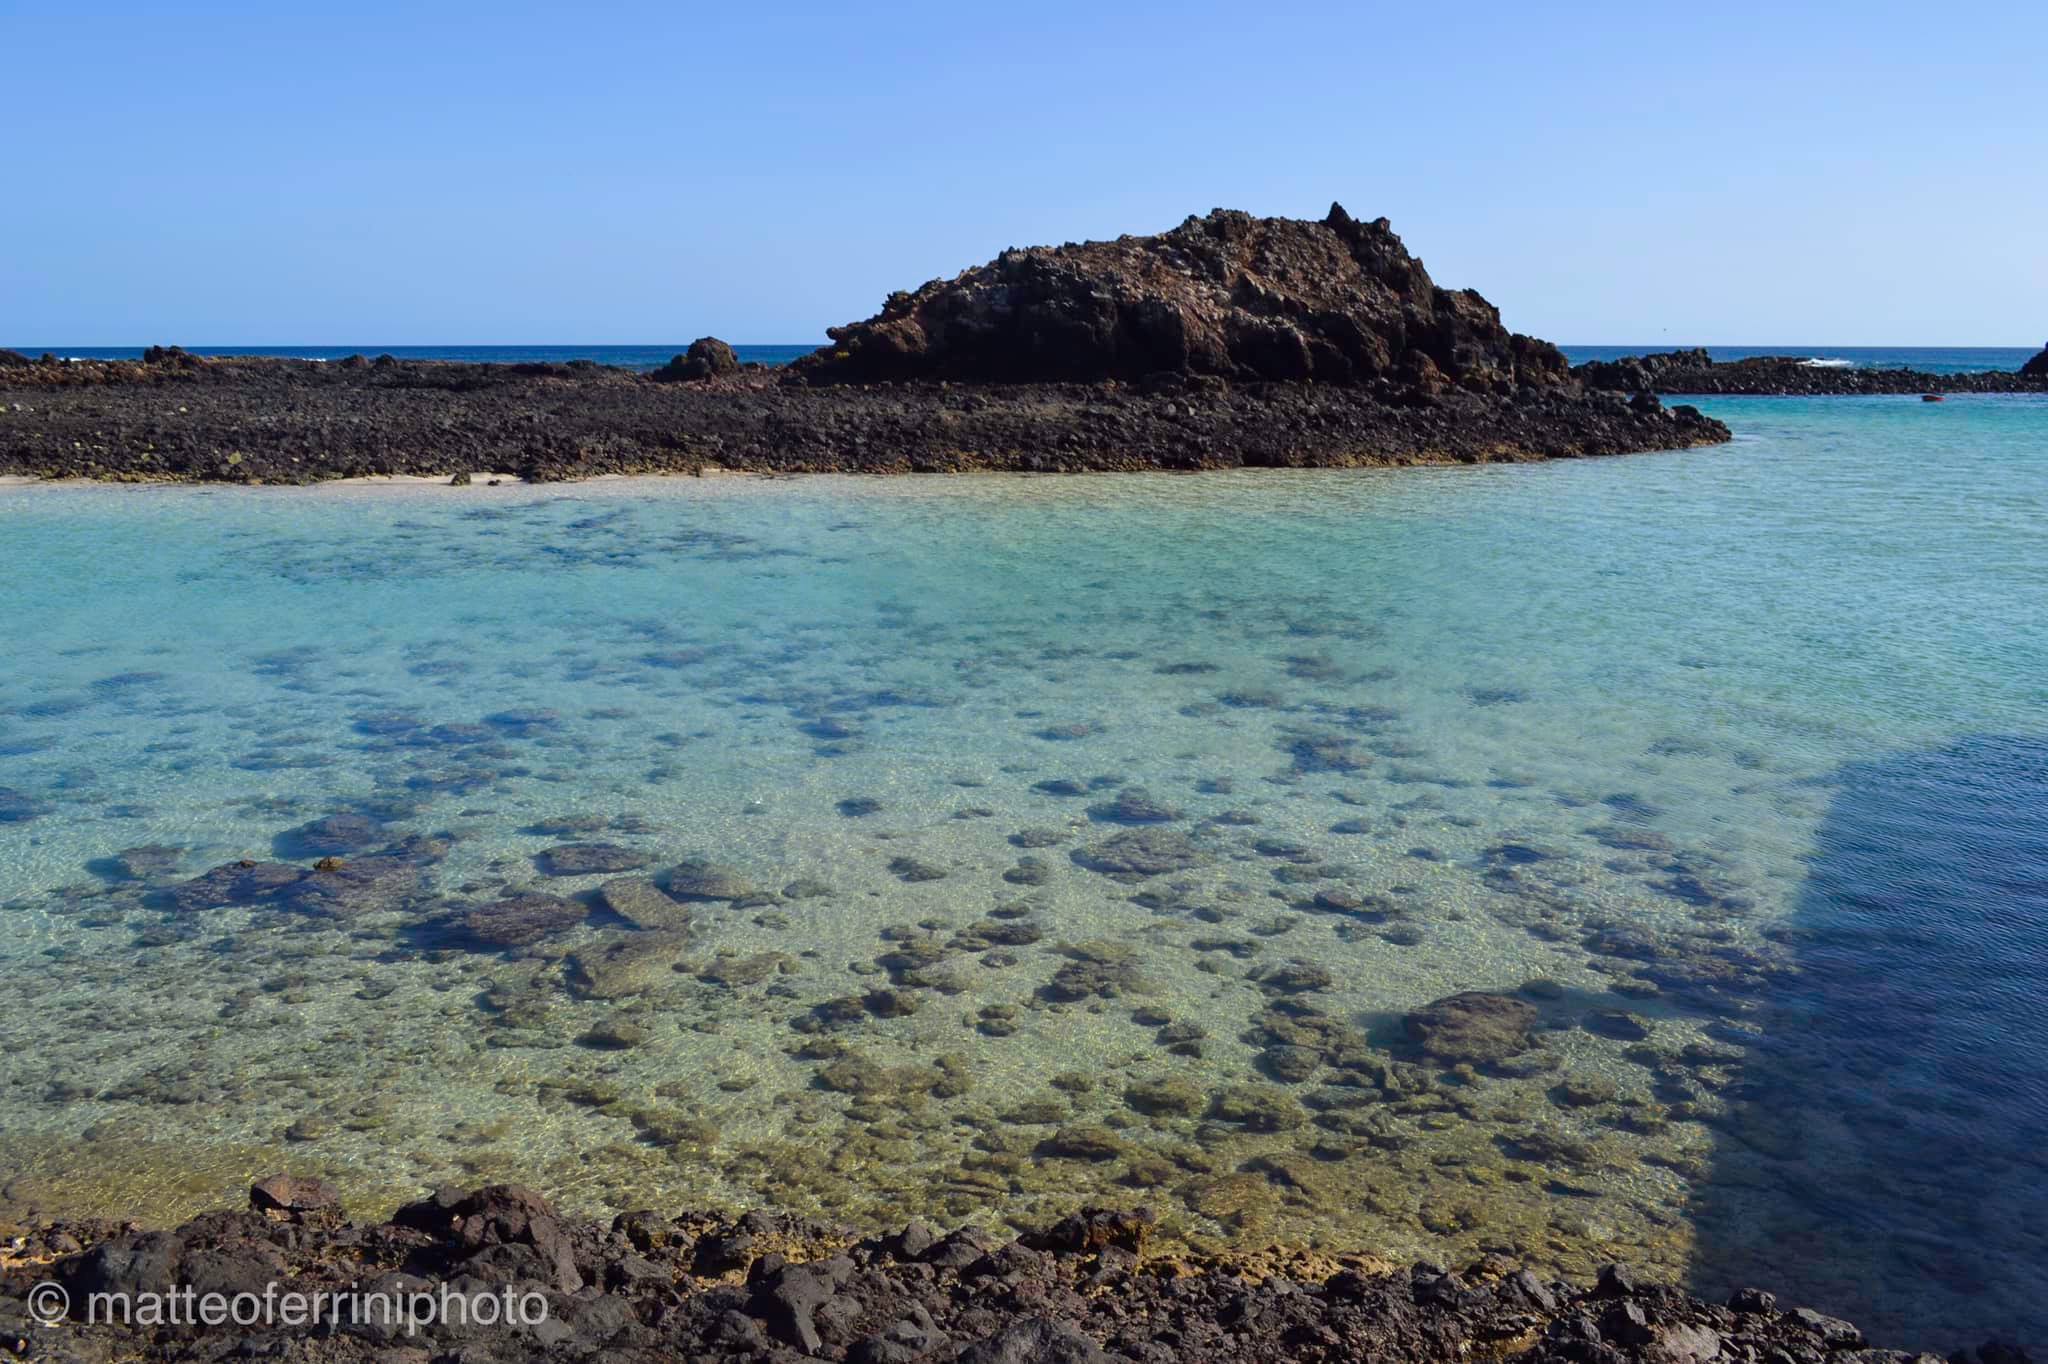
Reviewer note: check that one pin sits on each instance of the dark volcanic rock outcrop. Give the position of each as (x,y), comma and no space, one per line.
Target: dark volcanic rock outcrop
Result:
(1694,371)
(1229,342)
(706,358)
(293,421)
(776,1289)
(1229,294)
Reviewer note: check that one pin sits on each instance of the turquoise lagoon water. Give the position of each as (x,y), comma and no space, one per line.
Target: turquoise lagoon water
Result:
(1727,769)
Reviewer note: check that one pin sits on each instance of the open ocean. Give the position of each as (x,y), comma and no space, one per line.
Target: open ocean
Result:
(1933,359)
(1052,841)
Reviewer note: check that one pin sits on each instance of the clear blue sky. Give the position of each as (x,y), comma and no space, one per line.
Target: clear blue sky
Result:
(412,174)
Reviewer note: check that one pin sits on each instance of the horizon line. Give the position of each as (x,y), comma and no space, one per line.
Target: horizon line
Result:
(683,345)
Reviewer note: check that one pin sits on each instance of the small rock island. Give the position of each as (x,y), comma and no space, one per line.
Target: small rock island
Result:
(1230,341)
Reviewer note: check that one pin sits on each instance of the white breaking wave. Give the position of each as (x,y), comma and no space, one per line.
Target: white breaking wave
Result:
(1818,363)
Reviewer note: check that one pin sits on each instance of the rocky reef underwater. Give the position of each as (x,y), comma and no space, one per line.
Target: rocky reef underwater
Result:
(736,844)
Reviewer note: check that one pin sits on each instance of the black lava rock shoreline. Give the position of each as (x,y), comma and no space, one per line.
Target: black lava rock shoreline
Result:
(1228,341)
(1695,372)
(768,1288)
(184,418)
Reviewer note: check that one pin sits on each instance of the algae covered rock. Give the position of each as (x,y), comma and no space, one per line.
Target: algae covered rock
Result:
(1293,978)
(1258,1108)
(736,971)
(588,859)
(643,904)
(519,920)
(700,879)
(1143,852)
(234,883)
(1473,1028)
(913,870)
(1134,805)
(1097,968)
(1084,1142)
(1168,1097)
(332,835)
(626,964)
(1290,1064)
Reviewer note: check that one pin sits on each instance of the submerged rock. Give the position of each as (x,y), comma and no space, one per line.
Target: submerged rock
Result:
(911,869)
(643,904)
(1353,904)
(235,883)
(588,859)
(1168,1097)
(145,863)
(382,881)
(1290,1064)
(1258,1108)
(519,920)
(293,1197)
(16,807)
(697,879)
(1134,805)
(1293,978)
(1084,1142)
(626,965)
(737,971)
(1473,1028)
(386,880)
(1029,871)
(1142,853)
(1318,753)
(1618,1024)
(1110,979)
(331,836)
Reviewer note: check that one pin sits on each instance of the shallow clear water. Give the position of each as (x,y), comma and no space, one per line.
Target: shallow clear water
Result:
(1727,768)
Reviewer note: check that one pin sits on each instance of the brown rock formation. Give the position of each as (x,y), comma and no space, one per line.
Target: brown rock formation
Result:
(1229,294)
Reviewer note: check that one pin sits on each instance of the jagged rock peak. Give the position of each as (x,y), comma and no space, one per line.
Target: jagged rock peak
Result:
(1227,294)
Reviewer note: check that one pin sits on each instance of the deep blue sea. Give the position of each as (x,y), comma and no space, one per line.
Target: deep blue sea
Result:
(626,357)
(1932,359)
(1060,840)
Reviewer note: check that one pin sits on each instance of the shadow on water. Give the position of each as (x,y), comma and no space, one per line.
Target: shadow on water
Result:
(1882,1156)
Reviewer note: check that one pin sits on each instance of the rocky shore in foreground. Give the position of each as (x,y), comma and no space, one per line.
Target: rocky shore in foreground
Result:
(1229,341)
(649,1286)
(1695,372)
(284,421)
